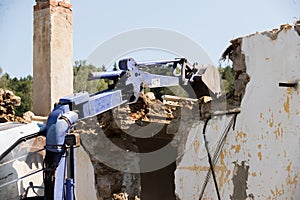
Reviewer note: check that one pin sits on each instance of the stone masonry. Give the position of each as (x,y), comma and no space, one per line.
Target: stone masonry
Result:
(52,54)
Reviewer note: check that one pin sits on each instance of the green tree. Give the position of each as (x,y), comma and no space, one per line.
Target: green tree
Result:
(81,83)
(23,88)
(5,81)
(228,77)
(20,87)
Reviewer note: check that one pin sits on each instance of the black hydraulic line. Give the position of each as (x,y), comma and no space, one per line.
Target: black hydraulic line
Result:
(234,121)
(218,150)
(288,84)
(72,162)
(209,158)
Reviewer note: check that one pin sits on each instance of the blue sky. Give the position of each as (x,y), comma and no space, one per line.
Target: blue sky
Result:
(211,24)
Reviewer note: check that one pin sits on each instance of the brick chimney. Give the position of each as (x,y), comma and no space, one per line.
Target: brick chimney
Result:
(52,54)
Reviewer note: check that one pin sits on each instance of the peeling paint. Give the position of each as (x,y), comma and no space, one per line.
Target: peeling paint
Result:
(271,122)
(259,154)
(291,180)
(198,169)
(288,168)
(277,192)
(279,131)
(196,145)
(289,91)
(237,148)
(286,106)
(239,180)
(241,136)
(266,135)
(181,183)
(224,177)
(278,155)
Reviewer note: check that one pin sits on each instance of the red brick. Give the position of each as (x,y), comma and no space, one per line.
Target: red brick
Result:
(65,5)
(53,3)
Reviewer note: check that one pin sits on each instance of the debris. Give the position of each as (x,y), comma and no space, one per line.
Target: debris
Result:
(28,115)
(108,181)
(120,196)
(8,101)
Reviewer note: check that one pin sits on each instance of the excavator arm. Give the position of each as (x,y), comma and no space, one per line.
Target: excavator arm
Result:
(128,83)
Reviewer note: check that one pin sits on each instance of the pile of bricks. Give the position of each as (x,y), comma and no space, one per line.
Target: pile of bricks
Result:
(7,103)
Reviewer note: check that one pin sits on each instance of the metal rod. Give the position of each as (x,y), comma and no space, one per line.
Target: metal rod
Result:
(288,84)
(218,151)
(156,62)
(209,159)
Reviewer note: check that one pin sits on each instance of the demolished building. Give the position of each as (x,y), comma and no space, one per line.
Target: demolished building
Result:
(251,136)
(253,139)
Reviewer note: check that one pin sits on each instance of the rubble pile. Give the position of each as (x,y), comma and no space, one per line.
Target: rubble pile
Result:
(97,140)
(119,127)
(8,101)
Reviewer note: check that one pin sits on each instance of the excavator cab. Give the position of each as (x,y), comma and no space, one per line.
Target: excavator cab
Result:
(21,161)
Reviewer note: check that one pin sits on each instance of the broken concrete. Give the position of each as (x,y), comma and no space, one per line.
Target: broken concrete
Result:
(109,181)
(297,27)
(235,54)
(126,127)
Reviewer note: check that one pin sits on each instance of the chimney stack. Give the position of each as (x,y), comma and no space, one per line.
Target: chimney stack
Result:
(52,54)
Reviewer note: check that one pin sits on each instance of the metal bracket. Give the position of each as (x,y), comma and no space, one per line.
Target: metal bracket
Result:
(73,140)
(290,84)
